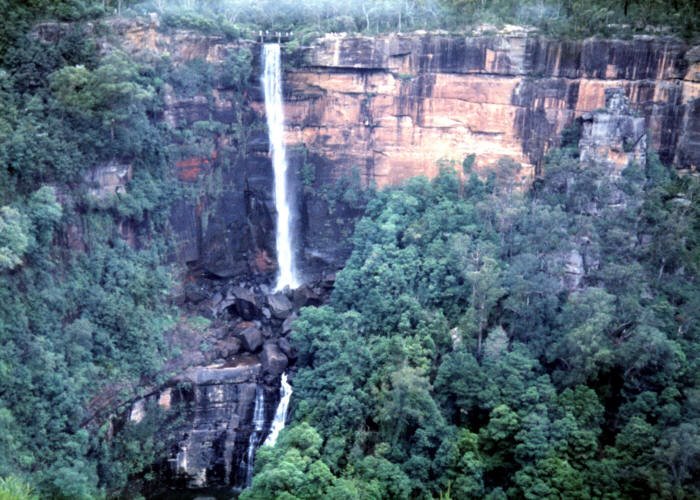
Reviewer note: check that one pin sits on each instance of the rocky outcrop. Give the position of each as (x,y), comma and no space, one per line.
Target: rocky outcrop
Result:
(105,181)
(398,104)
(216,404)
(274,361)
(613,136)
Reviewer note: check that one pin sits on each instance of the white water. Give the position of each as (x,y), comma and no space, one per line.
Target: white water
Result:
(258,426)
(281,413)
(272,84)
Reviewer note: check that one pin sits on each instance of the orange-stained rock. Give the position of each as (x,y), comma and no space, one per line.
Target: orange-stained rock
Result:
(394,105)
(263,262)
(189,169)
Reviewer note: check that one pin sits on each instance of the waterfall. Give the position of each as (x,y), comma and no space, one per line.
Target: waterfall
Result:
(258,427)
(281,413)
(272,84)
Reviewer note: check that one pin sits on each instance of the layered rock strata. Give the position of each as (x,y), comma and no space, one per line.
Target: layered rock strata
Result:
(396,105)
(391,107)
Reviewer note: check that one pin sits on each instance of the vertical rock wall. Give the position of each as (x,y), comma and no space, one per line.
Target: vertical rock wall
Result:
(392,107)
(397,104)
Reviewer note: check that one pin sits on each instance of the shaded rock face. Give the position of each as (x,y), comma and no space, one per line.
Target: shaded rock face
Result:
(614,136)
(397,104)
(217,403)
(215,400)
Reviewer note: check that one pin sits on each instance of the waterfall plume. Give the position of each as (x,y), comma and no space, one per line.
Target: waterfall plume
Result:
(281,413)
(256,434)
(274,110)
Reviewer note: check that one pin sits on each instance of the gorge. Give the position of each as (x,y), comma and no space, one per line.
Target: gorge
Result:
(392,265)
(393,107)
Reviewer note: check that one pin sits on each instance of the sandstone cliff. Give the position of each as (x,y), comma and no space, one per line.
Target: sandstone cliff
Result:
(394,105)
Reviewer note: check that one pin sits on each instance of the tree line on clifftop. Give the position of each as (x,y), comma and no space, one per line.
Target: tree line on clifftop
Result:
(309,18)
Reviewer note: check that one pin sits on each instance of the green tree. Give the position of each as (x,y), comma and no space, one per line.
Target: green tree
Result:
(14,240)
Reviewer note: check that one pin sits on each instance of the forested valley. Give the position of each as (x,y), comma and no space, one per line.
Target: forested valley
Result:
(485,339)
(457,359)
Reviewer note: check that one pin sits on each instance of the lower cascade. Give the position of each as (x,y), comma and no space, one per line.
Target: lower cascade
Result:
(281,414)
(258,427)
(274,110)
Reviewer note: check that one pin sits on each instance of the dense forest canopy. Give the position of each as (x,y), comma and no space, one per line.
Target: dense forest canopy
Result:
(455,357)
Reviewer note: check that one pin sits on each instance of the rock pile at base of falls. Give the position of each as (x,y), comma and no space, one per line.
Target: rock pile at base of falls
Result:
(247,346)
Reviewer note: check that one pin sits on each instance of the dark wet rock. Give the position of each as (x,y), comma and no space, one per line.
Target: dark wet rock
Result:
(213,441)
(280,306)
(328,280)
(246,304)
(305,295)
(219,332)
(287,348)
(216,299)
(231,347)
(274,361)
(195,293)
(287,324)
(251,338)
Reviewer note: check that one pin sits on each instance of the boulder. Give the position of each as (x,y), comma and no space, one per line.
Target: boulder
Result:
(328,280)
(287,348)
(306,296)
(287,325)
(280,306)
(107,180)
(251,338)
(245,303)
(573,270)
(195,294)
(274,361)
(230,347)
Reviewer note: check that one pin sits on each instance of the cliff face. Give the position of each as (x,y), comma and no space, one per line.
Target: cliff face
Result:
(394,105)
(226,228)
(217,404)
